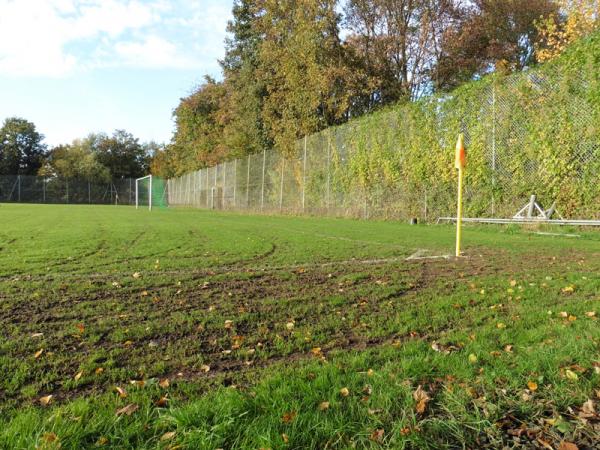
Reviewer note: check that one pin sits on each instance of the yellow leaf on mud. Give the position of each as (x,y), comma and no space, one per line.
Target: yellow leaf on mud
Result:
(127,410)
(422,398)
(45,401)
(344,392)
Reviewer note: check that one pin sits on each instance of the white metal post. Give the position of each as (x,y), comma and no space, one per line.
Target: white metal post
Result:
(328,168)
(224,185)
(150,193)
(136,194)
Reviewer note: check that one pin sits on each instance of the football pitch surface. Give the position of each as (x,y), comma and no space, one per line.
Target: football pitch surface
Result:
(180,328)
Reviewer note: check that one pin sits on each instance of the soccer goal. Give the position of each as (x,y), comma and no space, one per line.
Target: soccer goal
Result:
(150,192)
(143,192)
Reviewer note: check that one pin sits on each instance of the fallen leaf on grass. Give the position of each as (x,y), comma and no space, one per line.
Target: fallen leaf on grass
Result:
(37,335)
(508,348)
(564,445)
(421,397)
(563,314)
(162,402)
(136,275)
(205,368)
(168,436)
(38,353)
(78,376)
(288,417)
(532,385)
(289,326)
(571,375)
(45,401)
(99,370)
(344,392)
(80,328)
(588,408)
(590,314)
(164,383)
(102,441)
(228,324)
(568,289)
(122,392)
(500,325)
(285,438)
(377,435)
(472,358)
(50,437)
(323,406)
(127,410)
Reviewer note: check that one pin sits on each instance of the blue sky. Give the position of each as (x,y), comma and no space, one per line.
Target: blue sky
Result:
(78,66)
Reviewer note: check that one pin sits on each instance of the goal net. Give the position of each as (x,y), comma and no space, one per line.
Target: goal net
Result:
(150,192)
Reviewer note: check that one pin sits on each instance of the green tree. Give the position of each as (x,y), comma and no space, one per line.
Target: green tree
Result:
(303,65)
(21,147)
(492,35)
(75,161)
(198,138)
(122,154)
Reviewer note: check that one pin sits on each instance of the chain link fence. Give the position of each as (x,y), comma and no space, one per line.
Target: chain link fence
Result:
(33,189)
(535,132)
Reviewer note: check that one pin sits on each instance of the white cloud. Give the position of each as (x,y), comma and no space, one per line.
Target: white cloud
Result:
(58,37)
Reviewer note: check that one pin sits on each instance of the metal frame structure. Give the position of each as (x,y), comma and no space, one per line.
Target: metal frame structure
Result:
(149,191)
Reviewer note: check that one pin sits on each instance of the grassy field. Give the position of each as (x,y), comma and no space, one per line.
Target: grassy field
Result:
(192,329)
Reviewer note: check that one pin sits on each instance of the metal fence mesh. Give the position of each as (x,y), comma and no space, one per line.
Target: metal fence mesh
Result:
(32,189)
(532,132)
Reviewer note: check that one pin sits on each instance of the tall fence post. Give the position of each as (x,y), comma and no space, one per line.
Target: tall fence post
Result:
(248,185)
(304,177)
(493,148)
(262,189)
(281,184)
(67,182)
(328,169)
(234,180)
(44,189)
(224,185)
(89,193)
(19,188)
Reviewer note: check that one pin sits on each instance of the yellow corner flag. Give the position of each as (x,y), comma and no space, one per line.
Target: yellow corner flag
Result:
(460,162)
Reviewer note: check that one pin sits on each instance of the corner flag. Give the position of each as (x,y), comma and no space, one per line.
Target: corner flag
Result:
(460,161)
